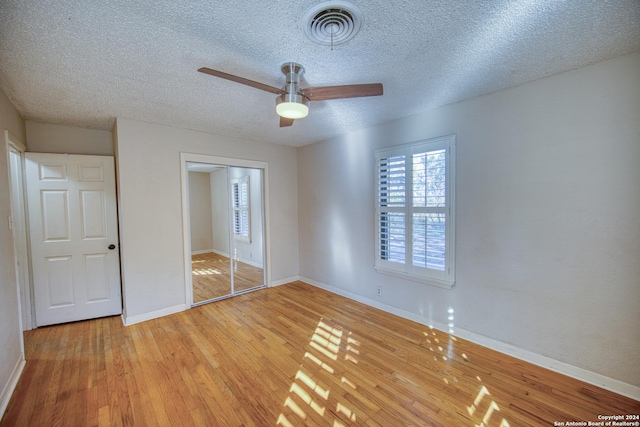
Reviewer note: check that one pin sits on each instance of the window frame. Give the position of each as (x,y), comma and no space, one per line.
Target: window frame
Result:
(444,279)
(238,208)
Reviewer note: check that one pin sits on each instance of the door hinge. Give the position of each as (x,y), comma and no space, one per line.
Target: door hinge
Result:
(10,223)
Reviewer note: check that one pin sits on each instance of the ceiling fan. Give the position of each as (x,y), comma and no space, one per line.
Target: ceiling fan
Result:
(293,100)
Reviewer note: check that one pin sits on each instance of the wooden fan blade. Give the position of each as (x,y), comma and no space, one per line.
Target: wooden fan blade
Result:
(323,93)
(241,80)
(284,122)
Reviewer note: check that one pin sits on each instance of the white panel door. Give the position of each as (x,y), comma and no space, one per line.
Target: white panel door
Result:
(74,238)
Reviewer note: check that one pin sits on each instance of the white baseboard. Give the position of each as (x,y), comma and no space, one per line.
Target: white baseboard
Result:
(563,368)
(283,281)
(250,262)
(11,384)
(132,320)
(224,254)
(203,251)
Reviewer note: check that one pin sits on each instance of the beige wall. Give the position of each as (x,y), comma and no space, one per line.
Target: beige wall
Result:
(10,331)
(151,217)
(548,208)
(220,211)
(200,211)
(52,138)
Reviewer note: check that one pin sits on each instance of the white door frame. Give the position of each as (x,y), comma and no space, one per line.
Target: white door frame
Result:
(186,232)
(20,232)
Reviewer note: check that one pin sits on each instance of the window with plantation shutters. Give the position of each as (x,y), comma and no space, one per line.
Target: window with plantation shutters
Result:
(240,195)
(414,211)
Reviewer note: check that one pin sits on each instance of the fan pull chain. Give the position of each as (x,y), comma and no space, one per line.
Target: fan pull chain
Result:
(332,27)
(332,38)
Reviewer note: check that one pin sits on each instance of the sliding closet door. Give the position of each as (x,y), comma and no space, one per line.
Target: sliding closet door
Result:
(209,231)
(247,228)
(225,230)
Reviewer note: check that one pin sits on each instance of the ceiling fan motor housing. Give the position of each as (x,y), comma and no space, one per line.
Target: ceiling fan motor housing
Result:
(292,71)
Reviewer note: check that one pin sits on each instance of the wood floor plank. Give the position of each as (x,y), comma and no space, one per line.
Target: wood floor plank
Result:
(211,276)
(292,355)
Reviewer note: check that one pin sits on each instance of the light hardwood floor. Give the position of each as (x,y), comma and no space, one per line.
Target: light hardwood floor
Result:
(291,355)
(211,276)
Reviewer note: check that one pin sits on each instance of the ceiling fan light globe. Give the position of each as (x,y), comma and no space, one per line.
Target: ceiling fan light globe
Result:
(292,110)
(292,106)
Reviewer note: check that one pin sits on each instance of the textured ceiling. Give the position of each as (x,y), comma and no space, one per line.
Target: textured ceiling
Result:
(86,62)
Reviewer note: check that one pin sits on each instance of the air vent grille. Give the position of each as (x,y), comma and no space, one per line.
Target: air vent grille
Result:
(332,23)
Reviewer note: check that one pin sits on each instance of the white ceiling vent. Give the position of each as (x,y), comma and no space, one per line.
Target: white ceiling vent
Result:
(332,22)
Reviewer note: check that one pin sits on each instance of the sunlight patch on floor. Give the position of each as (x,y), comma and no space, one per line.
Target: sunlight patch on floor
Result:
(203,272)
(307,393)
(483,406)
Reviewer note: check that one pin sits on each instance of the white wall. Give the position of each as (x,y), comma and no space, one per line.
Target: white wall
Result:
(52,138)
(548,208)
(10,331)
(151,217)
(200,211)
(220,211)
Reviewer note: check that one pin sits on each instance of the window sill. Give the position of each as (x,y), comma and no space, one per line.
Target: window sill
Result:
(243,239)
(415,278)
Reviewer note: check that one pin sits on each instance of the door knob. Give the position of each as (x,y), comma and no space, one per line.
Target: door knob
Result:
(112,247)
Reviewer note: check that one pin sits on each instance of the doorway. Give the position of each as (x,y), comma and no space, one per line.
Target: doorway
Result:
(224,227)
(15,151)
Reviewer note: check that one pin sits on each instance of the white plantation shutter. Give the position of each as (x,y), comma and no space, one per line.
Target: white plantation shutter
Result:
(414,211)
(391,204)
(240,195)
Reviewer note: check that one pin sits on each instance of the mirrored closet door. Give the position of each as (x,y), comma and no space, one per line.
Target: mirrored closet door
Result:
(226,230)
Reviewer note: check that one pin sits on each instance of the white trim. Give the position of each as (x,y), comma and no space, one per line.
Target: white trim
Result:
(203,251)
(128,321)
(414,278)
(14,142)
(250,262)
(266,229)
(221,253)
(11,384)
(186,231)
(22,254)
(563,368)
(218,160)
(284,281)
